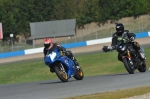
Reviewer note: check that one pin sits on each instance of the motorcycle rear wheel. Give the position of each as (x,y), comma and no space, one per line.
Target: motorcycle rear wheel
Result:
(62,75)
(142,68)
(128,66)
(79,74)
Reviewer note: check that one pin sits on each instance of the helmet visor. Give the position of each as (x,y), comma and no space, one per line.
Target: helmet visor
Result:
(47,45)
(119,29)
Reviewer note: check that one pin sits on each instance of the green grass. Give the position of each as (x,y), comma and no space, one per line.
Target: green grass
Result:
(35,70)
(118,94)
(24,72)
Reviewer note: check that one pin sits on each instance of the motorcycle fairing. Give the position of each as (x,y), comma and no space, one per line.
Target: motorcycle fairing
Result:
(69,64)
(55,56)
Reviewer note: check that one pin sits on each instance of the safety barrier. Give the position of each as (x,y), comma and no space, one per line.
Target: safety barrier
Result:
(69,45)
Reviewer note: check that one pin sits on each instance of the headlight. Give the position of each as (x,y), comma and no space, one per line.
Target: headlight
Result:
(123,49)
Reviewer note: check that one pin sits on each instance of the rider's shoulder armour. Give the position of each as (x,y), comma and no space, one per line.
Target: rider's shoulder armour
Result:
(115,34)
(126,31)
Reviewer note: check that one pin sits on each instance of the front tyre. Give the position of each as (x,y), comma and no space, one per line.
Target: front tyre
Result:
(79,74)
(61,73)
(128,66)
(142,67)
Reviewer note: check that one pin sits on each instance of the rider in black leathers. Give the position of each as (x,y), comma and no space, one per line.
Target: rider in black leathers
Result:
(119,32)
(50,46)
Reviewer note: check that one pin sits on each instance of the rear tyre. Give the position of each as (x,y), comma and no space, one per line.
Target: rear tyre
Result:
(142,67)
(79,74)
(128,66)
(62,75)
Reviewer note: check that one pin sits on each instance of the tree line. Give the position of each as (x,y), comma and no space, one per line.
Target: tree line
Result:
(16,15)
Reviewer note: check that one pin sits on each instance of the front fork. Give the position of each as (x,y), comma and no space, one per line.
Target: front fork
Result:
(62,68)
(129,57)
(63,71)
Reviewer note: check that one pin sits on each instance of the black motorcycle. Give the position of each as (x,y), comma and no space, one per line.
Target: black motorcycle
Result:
(130,57)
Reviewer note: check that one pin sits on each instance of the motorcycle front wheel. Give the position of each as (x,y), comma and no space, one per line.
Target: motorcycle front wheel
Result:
(61,73)
(79,74)
(128,66)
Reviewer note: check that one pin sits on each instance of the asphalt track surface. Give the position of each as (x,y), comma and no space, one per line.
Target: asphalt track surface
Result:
(54,89)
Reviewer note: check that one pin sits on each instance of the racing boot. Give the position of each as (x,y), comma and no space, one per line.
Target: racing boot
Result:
(75,62)
(51,70)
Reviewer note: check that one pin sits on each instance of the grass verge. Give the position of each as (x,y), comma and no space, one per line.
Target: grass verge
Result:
(92,64)
(118,94)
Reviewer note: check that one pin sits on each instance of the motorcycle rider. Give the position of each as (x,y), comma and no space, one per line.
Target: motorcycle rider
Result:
(50,46)
(119,32)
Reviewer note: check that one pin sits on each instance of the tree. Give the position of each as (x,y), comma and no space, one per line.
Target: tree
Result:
(8,17)
(16,15)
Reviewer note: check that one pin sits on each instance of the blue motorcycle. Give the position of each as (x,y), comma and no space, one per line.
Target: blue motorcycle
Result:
(63,66)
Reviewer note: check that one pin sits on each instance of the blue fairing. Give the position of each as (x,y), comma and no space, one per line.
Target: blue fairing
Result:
(55,56)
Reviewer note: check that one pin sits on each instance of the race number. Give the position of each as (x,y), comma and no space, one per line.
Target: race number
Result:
(52,55)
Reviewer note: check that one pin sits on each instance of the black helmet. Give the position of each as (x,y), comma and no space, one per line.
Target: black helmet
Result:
(120,28)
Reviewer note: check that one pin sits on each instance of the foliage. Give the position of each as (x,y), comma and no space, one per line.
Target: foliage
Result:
(16,15)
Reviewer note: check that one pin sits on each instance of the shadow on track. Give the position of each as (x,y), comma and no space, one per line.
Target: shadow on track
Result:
(57,82)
